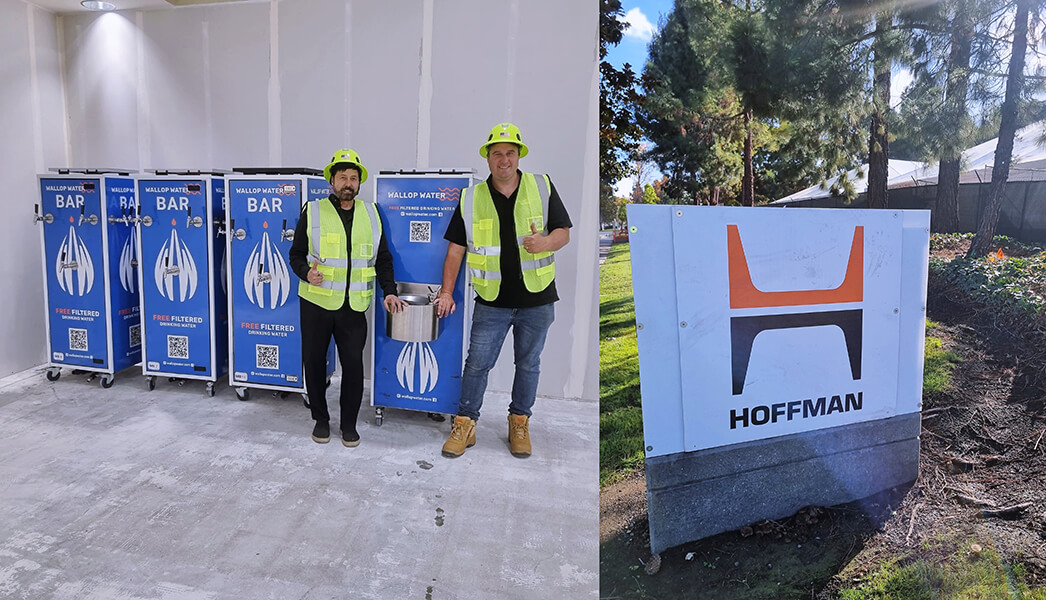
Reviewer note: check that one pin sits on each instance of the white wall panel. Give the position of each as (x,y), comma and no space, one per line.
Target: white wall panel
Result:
(101,92)
(239,77)
(33,135)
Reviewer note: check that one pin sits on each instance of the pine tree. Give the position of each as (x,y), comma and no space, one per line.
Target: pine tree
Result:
(1007,129)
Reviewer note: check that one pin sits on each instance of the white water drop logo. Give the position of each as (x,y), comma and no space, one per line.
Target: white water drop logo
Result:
(426,372)
(266,268)
(225,272)
(175,262)
(128,260)
(74,265)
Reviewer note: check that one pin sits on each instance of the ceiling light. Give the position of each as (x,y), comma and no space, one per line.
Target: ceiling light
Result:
(96,5)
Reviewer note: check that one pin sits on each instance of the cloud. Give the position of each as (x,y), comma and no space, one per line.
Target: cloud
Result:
(624,187)
(639,26)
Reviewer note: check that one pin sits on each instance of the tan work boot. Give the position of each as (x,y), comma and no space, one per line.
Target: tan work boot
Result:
(518,435)
(462,436)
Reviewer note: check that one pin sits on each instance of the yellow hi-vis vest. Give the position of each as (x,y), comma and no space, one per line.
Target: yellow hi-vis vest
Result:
(341,268)
(482,230)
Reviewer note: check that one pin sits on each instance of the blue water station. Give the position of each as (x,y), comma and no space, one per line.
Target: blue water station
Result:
(417,357)
(87,236)
(264,332)
(183,301)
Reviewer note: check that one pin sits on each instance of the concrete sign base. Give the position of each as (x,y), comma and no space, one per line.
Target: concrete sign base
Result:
(698,494)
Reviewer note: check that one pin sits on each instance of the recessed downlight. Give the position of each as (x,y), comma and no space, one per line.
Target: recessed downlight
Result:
(96,5)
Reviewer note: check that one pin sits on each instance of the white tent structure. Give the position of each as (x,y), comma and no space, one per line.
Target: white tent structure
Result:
(914,185)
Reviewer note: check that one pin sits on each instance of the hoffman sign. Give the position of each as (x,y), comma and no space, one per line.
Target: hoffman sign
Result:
(764,325)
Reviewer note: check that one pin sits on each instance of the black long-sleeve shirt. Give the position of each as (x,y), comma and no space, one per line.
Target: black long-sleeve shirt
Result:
(299,252)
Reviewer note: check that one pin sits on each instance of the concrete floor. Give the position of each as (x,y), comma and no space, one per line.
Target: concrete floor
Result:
(172,495)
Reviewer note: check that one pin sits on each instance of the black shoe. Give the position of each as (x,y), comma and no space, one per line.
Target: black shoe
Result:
(321,433)
(351,439)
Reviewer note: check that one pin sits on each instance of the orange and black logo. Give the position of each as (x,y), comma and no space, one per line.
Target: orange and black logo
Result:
(744,294)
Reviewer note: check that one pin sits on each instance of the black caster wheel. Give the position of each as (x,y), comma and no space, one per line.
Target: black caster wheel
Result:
(243,394)
(150,383)
(91,376)
(210,389)
(107,381)
(172,379)
(437,417)
(53,375)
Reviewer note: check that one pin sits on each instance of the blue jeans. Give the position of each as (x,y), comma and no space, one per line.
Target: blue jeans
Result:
(490,325)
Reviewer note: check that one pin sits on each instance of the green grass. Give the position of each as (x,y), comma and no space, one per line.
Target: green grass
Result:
(949,571)
(620,414)
(937,365)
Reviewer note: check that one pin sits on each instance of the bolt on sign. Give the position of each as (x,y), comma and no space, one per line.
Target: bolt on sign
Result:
(755,324)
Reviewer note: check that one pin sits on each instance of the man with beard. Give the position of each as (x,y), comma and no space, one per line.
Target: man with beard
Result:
(339,249)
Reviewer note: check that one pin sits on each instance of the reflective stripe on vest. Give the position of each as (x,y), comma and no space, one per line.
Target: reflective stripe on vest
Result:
(483,235)
(353,273)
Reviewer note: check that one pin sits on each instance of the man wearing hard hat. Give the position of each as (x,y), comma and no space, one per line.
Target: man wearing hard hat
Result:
(339,249)
(509,227)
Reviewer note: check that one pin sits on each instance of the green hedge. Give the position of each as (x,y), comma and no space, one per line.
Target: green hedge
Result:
(1013,282)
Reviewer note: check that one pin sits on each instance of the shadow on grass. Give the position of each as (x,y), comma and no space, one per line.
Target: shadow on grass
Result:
(790,559)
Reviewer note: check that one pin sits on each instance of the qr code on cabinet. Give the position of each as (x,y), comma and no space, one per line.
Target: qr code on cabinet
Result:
(78,339)
(421,231)
(267,357)
(136,335)
(177,346)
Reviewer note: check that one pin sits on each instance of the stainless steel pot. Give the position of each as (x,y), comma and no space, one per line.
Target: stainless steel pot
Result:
(415,323)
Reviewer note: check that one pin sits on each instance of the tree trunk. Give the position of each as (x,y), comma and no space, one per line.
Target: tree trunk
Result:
(946,213)
(878,138)
(748,182)
(1007,129)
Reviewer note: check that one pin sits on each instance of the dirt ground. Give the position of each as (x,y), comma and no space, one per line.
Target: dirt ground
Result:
(982,479)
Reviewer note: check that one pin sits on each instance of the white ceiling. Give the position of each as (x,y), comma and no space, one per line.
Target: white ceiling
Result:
(73,6)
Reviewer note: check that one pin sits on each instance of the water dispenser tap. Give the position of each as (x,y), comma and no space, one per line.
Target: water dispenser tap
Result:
(124,217)
(287,234)
(191,221)
(62,265)
(93,219)
(236,233)
(48,218)
(168,269)
(263,277)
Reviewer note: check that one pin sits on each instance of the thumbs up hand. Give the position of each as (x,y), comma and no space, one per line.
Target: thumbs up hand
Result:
(535,242)
(315,277)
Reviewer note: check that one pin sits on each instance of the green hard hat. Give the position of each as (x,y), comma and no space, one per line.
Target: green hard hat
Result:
(346,156)
(504,132)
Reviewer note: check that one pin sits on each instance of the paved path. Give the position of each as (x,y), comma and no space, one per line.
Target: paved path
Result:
(606,239)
